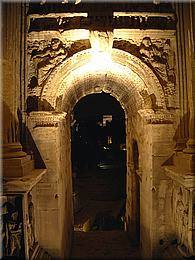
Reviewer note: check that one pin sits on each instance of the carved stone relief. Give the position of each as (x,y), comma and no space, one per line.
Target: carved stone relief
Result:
(30,223)
(181,216)
(12,227)
(193,220)
(44,57)
(158,54)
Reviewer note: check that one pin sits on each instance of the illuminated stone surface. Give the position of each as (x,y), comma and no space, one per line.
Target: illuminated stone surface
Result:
(141,55)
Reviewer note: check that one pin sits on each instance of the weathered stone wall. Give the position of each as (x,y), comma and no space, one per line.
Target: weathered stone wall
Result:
(162,147)
(153,55)
(54,207)
(181,166)
(155,144)
(143,138)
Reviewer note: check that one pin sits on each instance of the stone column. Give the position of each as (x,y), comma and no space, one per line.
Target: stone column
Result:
(182,133)
(14,158)
(186,81)
(189,9)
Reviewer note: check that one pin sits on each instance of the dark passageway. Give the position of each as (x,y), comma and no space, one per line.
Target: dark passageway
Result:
(99,178)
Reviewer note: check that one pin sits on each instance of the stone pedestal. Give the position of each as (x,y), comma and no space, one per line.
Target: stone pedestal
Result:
(180,171)
(180,144)
(190,146)
(184,163)
(16,163)
(19,223)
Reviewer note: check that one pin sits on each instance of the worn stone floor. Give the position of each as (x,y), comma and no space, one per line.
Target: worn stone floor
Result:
(103,191)
(100,191)
(112,244)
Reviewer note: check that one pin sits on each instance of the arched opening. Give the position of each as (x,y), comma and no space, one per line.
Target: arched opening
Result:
(98,163)
(124,79)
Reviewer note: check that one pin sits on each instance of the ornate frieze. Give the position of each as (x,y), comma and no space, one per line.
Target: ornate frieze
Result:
(132,21)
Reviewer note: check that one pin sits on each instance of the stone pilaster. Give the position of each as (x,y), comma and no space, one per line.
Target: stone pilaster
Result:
(191,86)
(15,162)
(186,81)
(182,131)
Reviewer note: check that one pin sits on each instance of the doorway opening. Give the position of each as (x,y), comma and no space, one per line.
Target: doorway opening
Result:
(98,163)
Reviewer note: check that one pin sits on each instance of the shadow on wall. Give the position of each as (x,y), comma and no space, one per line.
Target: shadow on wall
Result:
(15,130)
(165,248)
(34,103)
(183,127)
(10,125)
(32,149)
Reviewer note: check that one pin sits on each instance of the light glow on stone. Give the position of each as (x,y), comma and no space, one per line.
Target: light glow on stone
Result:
(101,59)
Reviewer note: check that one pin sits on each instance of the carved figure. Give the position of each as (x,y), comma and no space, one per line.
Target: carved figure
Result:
(181,219)
(151,54)
(12,231)
(169,55)
(45,59)
(179,215)
(30,225)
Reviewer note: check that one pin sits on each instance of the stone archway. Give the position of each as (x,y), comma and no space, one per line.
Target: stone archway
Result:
(139,92)
(122,69)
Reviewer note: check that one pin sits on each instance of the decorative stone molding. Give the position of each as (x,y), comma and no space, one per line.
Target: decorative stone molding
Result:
(63,78)
(45,119)
(133,20)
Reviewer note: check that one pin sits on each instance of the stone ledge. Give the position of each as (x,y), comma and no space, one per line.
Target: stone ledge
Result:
(23,184)
(45,119)
(158,117)
(186,179)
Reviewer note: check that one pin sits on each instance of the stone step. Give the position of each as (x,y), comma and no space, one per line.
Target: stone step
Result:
(40,254)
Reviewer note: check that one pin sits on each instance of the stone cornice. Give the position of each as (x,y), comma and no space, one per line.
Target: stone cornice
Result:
(133,21)
(158,117)
(185,179)
(45,119)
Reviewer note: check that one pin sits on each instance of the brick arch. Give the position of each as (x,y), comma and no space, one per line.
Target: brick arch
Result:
(126,77)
